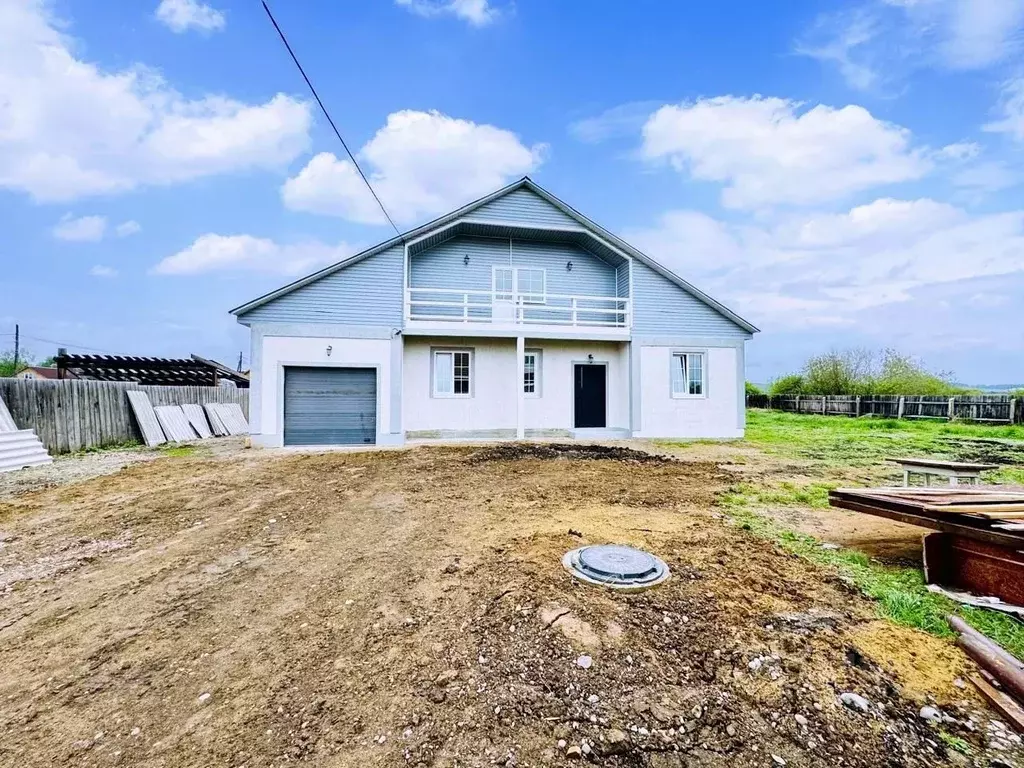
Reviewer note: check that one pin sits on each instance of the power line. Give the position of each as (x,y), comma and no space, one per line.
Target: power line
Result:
(329,120)
(68,344)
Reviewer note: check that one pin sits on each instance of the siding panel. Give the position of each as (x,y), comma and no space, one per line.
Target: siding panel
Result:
(366,293)
(524,207)
(663,308)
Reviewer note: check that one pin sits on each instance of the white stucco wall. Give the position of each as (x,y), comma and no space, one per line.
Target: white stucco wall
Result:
(495,382)
(553,409)
(715,415)
(491,404)
(281,351)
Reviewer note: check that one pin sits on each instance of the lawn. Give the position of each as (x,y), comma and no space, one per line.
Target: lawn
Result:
(831,448)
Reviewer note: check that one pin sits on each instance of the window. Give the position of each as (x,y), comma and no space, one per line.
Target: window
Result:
(531,372)
(503,283)
(688,374)
(530,285)
(451,373)
(526,283)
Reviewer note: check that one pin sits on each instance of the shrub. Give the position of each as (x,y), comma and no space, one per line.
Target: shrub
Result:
(753,389)
(793,384)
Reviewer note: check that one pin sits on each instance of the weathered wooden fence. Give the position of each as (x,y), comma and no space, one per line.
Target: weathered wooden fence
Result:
(988,408)
(72,415)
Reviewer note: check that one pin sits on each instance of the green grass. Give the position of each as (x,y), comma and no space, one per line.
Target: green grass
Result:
(832,445)
(840,440)
(177,450)
(111,447)
(955,743)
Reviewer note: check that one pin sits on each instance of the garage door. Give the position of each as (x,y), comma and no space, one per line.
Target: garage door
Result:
(330,406)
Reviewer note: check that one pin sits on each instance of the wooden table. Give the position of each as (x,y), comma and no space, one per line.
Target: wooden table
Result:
(953,471)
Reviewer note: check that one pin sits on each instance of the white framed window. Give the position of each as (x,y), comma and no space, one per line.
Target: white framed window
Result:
(688,374)
(531,373)
(531,284)
(452,373)
(504,283)
(528,283)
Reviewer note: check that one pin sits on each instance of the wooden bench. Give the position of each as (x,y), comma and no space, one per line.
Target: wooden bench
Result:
(953,471)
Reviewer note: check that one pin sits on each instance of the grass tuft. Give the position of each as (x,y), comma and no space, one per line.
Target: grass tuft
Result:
(177,450)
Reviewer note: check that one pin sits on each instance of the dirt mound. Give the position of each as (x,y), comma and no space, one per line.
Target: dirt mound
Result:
(583,451)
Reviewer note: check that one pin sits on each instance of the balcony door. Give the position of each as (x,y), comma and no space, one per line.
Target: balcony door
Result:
(503,309)
(514,286)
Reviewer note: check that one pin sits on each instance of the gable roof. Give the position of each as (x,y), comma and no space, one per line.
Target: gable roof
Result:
(524,183)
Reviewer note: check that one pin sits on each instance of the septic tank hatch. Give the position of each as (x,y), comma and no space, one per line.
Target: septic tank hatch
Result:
(616,566)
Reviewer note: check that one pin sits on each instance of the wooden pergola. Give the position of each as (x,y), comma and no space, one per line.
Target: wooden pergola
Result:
(158,371)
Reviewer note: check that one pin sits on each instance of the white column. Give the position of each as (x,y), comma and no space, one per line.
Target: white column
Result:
(520,397)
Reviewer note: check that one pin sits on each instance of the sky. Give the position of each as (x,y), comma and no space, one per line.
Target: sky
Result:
(840,174)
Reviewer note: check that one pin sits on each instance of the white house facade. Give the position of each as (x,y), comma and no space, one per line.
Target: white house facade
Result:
(512,317)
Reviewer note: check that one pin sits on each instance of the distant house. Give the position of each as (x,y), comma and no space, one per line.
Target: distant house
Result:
(38,372)
(514,316)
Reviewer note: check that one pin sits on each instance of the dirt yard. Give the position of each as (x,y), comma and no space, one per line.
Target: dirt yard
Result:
(396,608)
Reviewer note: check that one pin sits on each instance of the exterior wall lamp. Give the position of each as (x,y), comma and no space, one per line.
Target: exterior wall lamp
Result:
(465,259)
(329,348)
(568,266)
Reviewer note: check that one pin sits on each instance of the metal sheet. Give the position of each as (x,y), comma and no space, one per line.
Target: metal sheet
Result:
(152,432)
(330,406)
(232,418)
(216,424)
(197,418)
(174,423)
(20,449)
(6,420)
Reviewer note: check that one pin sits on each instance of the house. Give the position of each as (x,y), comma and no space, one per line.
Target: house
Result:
(37,372)
(514,316)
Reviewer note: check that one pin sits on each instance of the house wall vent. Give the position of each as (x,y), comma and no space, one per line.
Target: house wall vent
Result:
(616,566)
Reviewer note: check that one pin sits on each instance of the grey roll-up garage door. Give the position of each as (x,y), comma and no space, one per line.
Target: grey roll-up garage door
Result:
(330,406)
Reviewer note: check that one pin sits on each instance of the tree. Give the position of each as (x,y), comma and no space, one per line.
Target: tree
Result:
(793,384)
(7,366)
(753,389)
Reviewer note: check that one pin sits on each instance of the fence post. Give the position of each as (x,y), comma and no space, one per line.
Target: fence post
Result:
(952,408)
(857,406)
(1013,409)
(899,407)
(823,405)
(796,405)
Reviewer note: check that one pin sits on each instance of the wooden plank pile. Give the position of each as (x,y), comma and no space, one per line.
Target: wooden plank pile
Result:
(19,448)
(185,423)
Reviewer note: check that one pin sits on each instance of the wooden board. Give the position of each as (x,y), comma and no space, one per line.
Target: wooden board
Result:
(215,421)
(196,417)
(1002,701)
(952,466)
(174,423)
(6,421)
(149,426)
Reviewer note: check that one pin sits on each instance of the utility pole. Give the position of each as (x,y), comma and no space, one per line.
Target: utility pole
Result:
(17,340)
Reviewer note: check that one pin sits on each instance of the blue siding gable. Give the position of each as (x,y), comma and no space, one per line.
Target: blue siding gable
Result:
(523,206)
(444,265)
(662,308)
(368,292)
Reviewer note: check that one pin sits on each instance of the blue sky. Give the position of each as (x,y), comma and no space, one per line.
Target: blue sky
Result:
(841,174)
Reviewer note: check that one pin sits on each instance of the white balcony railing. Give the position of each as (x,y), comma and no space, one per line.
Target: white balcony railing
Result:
(437,305)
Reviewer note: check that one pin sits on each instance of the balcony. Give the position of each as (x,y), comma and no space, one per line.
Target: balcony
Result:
(451,311)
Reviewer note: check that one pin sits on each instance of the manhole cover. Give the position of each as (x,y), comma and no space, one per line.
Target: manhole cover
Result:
(616,566)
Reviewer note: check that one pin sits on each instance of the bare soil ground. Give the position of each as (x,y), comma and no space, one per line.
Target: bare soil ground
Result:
(410,608)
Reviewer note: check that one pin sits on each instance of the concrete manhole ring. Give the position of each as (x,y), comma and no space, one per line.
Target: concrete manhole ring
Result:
(616,566)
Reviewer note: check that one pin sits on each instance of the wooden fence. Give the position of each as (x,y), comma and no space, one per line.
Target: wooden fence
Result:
(72,415)
(1002,409)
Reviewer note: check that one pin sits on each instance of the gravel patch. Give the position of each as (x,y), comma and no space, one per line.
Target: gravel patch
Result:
(71,469)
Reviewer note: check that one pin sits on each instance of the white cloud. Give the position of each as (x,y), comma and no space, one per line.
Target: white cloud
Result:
(420,164)
(770,151)
(127,228)
(825,269)
(622,120)
(841,40)
(85,229)
(183,15)
(101,271)
(234,253)
(69,128)
(478,13)
(882,40)
(1011,111)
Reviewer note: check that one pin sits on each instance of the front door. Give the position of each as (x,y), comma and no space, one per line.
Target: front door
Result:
(590,386)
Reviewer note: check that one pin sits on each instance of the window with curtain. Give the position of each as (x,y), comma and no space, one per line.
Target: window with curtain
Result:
(688,374)
(451,373)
